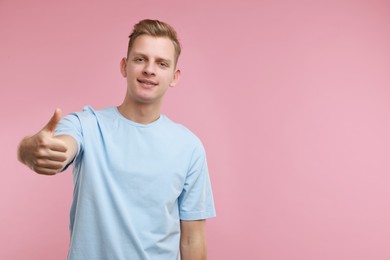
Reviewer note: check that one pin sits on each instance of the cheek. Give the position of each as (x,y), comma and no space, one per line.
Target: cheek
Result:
(132,72)
(167,81)
(168,77)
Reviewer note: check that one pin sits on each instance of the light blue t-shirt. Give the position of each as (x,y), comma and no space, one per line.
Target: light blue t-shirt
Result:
(133,183)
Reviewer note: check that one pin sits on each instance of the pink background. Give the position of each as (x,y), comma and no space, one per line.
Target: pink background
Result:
(291,100)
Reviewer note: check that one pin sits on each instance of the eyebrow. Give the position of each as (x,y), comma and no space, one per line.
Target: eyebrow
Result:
(146,56)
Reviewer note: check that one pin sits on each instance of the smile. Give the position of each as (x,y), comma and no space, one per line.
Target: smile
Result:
(146,83)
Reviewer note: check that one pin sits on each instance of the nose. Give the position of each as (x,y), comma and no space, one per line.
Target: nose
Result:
(149,69)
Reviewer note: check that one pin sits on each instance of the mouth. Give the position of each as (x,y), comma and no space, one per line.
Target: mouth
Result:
(147,83)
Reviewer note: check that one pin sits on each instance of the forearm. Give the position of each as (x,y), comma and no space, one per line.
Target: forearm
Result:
(193,240)
(193,250)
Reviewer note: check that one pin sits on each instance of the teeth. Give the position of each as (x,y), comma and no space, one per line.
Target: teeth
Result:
(145,82)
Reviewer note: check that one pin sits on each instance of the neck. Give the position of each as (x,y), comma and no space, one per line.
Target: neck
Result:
(140,113)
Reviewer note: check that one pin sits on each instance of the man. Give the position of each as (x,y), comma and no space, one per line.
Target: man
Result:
(141,184)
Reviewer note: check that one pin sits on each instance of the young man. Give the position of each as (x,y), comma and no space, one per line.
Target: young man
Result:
(141,184)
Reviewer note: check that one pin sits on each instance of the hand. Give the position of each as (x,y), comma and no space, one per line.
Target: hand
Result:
(42,152)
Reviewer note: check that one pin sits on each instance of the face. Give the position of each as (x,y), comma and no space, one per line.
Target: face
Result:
(149,69)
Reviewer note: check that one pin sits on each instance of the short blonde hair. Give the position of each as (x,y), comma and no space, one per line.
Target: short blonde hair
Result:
(155,28)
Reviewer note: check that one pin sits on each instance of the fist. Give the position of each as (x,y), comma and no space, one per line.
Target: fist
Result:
(42,152)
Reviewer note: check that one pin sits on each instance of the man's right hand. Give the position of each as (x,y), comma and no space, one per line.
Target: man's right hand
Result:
(42,152)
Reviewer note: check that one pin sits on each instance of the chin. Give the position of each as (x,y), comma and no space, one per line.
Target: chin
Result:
(146,100)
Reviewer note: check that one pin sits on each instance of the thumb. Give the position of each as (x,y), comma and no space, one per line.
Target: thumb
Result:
(51,125)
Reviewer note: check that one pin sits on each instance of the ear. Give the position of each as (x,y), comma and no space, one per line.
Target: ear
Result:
(176,77)
(123,66)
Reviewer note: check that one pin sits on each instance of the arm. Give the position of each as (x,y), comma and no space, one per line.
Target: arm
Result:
(193,240)
(45,153)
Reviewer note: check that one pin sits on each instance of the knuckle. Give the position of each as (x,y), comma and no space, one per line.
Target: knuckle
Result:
(43,143)
(39,163)
(39,153)
(35,169)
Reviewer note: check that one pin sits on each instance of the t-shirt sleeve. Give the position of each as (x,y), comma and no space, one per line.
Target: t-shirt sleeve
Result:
(71,125)
(196,200)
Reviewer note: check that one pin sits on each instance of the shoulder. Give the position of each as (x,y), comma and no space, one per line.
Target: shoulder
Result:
(88,113)
(184,134)
(87,118)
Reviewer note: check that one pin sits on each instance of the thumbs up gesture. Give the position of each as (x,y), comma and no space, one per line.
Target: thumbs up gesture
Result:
(42,152)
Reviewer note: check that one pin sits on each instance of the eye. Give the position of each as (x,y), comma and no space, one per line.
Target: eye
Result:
(163,64)
(138,59)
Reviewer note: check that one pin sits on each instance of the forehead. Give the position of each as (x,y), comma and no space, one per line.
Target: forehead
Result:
(161,47)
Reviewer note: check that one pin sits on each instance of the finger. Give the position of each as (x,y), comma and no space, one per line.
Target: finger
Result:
(51,156)
(48,154)
(45,171)
(49,164)
(56,156)
(51,125)
(57,145)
